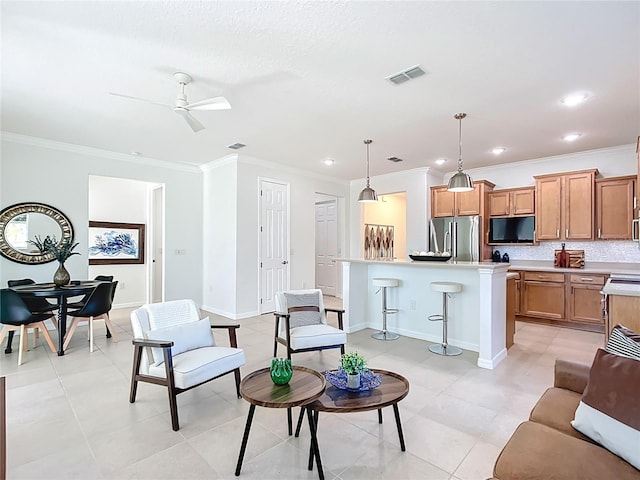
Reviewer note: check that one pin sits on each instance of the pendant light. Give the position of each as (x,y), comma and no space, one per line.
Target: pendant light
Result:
(460,182)
(368,194)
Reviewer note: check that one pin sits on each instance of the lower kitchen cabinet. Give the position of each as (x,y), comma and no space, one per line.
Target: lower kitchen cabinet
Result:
(584,298)
(570,300)
(624,310)
(543,295)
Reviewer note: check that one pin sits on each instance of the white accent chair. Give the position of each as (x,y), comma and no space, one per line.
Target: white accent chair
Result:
(301,323)
(174,348)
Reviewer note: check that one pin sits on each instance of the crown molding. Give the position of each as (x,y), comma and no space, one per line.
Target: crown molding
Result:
(248,160)
(95,152)
(226,160)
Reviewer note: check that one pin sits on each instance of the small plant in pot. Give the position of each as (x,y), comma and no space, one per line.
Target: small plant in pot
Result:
(353,365)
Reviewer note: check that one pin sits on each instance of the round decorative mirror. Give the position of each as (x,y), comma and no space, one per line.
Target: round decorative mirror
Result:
(22,222)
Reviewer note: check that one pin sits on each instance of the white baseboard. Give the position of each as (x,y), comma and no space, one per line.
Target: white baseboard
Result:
(232,316)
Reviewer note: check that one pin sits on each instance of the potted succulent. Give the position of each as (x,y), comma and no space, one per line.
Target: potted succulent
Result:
(353,365)
(61,251)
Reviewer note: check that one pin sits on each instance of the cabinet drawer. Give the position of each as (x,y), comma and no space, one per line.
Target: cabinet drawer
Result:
(544,276)
(588,279)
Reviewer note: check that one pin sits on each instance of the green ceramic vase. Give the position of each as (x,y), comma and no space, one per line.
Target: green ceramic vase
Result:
(281,371)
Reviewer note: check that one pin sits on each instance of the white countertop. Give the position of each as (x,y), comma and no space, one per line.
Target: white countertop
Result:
(589,267)
(624,289)
(428,264)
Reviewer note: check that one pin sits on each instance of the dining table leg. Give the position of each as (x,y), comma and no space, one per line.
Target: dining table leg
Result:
(9,342)
(62,323)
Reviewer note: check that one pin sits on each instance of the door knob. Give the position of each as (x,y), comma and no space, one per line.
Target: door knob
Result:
(284,262)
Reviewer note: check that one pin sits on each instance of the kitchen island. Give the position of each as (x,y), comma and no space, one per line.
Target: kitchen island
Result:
(477,319)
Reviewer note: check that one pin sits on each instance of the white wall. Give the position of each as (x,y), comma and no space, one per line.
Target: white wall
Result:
(55,173)
(245,275)
(123,201)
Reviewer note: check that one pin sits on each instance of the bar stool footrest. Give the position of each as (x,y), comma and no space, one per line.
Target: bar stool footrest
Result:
(390,310)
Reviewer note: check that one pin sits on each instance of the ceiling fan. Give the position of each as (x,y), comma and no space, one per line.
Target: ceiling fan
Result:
(182,107)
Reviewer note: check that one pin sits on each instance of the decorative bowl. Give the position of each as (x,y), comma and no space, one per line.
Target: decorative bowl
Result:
(430,258)
(368,380)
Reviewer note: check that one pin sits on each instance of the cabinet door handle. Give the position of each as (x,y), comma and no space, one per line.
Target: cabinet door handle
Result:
(558,232)
(566,233)
(599,233)
(586,279)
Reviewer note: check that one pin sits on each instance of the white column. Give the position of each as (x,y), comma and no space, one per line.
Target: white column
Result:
(493,319)
(354,301)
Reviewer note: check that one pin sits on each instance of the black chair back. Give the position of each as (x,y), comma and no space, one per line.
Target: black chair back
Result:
(99,302)
(104,278)
(13,310)
(21,282)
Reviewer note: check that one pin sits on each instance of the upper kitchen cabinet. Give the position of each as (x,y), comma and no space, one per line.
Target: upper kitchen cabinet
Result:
(565,205)
(513,202)
(449,204)
(614,207)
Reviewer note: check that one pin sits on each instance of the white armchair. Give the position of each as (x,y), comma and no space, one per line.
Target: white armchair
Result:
(174,348)
(301,323)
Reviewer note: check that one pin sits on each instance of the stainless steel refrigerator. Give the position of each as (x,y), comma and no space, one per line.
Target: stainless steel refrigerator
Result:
(458,235)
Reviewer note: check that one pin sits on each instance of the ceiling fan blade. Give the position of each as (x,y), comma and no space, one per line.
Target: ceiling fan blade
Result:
(217,103)
(141,99)
(195,125)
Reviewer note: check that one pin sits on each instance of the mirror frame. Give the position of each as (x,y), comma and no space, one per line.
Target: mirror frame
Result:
(9,213)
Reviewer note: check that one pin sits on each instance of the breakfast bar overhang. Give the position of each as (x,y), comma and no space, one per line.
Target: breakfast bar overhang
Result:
(477,315)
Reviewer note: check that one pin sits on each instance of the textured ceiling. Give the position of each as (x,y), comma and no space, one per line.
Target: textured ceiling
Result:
(306,80)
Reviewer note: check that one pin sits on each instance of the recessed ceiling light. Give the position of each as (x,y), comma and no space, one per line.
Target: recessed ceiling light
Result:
(329,161)
(571,137)
(441,161)
(498,150)
(574,99)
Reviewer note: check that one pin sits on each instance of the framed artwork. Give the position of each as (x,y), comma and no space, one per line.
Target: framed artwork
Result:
(116,243)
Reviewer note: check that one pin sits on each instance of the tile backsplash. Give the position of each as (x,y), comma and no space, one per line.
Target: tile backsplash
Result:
(623,251)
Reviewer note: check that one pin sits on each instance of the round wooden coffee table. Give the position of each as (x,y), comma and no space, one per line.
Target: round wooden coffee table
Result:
(305,386)
(394,387)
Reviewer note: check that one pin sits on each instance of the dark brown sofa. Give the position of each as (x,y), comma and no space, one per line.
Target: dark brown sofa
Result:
(548,447)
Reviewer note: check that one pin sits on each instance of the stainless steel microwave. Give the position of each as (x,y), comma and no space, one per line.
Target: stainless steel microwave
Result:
(512,230)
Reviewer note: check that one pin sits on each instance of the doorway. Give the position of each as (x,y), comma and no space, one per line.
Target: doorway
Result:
(157,244)
(326,269)
(274,242)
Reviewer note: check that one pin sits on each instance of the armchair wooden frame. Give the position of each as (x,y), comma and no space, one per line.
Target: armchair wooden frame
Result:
(287,342)
(168,381)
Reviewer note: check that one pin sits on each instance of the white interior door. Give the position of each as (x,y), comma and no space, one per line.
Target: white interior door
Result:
(157,243)
(327,246)
(274,249)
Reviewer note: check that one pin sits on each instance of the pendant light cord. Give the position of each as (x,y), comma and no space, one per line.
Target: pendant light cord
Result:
(460,144)
(367,143)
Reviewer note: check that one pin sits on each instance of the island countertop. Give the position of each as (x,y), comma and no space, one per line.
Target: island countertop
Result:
(431,264)
(589,267)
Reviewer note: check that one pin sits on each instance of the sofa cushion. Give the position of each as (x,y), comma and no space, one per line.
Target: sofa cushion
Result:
(536,452)
(609,412)
(623,341)
(556,409)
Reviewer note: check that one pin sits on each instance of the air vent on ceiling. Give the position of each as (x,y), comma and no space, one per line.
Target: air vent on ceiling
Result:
(236,146)
(406,75)
(394,159)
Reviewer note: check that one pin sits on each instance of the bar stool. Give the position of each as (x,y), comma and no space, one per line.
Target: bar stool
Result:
(446,288)
(383,284)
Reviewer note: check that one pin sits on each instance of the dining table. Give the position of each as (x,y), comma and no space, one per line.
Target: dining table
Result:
(60,294)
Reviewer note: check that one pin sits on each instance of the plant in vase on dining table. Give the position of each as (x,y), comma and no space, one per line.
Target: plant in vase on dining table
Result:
(61,251)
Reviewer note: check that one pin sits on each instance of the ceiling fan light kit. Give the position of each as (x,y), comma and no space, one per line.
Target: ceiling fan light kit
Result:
(368,194)
(460,182)
(182,107)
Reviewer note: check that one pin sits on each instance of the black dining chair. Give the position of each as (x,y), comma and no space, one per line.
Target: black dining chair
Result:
(80,303)
(35,305)
(15,315)
(96,307)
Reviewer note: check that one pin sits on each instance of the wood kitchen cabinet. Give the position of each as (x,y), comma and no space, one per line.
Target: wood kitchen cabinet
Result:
(512,202)
(449,204)
(614,207)
(543,295)
(625,310)
(565,205)
(584,298)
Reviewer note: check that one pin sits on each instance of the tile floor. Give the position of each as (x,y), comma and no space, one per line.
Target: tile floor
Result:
(69,417)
